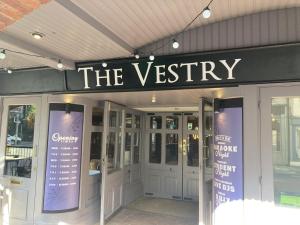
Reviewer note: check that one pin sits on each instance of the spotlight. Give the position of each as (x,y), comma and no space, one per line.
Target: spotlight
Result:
(151,57)
(206,13)
(9,71)
(175,44)
(37,35)
(153,100)
(2,54)
(104,64)
(136,55)
(60,65)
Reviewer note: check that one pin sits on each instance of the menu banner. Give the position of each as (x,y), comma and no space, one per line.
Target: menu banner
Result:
(228,183)
(63,169)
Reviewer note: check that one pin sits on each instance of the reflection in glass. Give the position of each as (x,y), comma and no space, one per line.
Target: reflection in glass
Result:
(136,148)
(19,141)
(137,121)
(127,155)
(155,122)
(97,117)
(192,123)
(112,118)
(172,149)
(155,148)
(111,150)
(172,122)
(95,154)
(193,150)
(128,120)
(286,150)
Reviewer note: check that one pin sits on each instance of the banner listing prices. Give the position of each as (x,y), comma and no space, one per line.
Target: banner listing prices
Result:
(228,182)
(62,181)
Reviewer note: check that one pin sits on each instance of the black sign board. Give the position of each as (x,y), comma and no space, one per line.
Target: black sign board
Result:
(270,64)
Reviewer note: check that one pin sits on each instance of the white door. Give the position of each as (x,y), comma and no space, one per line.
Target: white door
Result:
(172,156)
(280,153)
(132,152)
(18,155)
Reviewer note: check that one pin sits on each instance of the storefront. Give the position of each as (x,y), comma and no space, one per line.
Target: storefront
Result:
(219,129)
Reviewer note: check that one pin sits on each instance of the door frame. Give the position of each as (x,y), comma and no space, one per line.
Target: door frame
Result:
(32,181)
(266,94)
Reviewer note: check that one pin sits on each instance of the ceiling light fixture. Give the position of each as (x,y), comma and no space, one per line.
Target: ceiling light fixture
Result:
(104,64)
(175,44)
(151,57)
(153,100)
(37,35)
(2,54)
(206,13)
(136,55)
(60,65)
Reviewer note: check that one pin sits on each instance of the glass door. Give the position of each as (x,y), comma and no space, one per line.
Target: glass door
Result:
(280,149)
(18,153)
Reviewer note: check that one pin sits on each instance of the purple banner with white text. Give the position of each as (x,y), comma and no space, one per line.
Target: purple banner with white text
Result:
(228,184)
(62,181)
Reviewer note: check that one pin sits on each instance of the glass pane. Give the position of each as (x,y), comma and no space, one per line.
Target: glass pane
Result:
(136,148)
(95,154)
(192,123)
(128,120)
(112,118)
(137,121)
(97,117)
(155,148)
(111,150)
(172,122)
(172,149)
(286,150)
(127,149)
(155,122)
(193,150)
(208,137)
(19,141)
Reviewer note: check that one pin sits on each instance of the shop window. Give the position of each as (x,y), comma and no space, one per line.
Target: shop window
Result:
(155,122)
(128,120)
(192,123)
(97,117)
(112,152)
(19,140)
(193,150)
(95,151)
(127,155)
(155,148)
(172,122)
(286,150)
(136,148)
(137,120)
(172,149)
(113,119)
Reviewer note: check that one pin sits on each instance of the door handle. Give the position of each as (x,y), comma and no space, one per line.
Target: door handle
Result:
(184,147)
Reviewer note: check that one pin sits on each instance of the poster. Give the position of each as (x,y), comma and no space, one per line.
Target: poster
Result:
(63,168)
(228,184)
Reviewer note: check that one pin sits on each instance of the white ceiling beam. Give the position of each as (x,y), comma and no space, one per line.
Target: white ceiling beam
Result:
(84,16)
(10,42)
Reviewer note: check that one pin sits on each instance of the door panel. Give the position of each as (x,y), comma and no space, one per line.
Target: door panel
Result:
(19,151)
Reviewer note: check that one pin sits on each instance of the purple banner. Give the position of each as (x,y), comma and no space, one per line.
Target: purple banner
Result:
(228,156)
(62,182)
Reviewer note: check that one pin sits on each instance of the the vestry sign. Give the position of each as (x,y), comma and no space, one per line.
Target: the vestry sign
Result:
(183,71)
(149,74)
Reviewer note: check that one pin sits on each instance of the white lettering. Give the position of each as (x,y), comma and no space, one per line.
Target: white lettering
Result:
(173,73)
(160,74)
(205,71)
(230,68)
(118,77)
(57,137)
(98,77)
(141,77)
(189,70)
(85,74)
